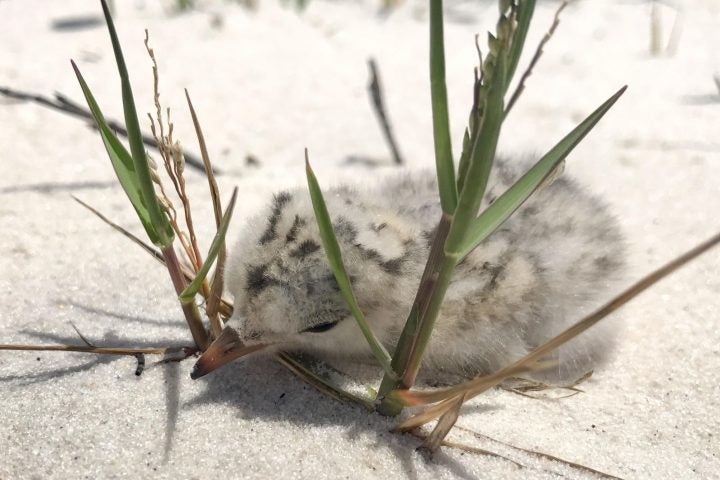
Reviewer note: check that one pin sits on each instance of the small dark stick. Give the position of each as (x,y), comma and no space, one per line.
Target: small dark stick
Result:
(140,364)
(378,102)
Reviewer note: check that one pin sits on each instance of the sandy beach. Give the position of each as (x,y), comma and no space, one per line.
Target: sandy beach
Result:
(268,83)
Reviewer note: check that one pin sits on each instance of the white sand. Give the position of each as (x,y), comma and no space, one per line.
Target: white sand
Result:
(271,83)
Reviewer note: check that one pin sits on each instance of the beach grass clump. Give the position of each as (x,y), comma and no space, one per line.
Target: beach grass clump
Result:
(462,226)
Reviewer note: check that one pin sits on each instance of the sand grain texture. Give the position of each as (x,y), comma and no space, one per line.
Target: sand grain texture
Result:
(271,83)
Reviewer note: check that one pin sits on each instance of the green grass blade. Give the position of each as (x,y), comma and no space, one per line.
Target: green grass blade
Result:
(526,8)
(464,162)
(191,290)
(137,149)
(326,379)
(517,194)
(120,159)
(481,159)
(334,256)
(441,121)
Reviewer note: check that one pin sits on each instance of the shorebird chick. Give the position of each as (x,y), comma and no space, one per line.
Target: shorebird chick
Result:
(531,279)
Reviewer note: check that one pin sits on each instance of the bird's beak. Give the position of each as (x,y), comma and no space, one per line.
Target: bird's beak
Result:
(226,348)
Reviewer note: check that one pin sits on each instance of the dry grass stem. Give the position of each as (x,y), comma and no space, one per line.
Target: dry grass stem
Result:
(224,306)
(82,337)
(323,387)
(467,448)
(63,104)
(479,451)
(538,454)
(101,350)
(525,385)
(425,416)
(216,288)
(444,424)
(174,162)
(479,385)
(536,57)
(155,253)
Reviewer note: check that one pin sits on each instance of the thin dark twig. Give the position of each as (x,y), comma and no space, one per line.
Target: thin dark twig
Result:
(378,103)
(536,57)
(82,337)
(63,104)
(156,254)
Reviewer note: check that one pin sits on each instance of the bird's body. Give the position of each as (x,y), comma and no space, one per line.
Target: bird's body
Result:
(527,282)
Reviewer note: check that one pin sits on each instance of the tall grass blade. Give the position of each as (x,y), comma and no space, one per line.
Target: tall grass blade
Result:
(135,139)
(191,290)
(120,159)
(216,287)
(525,10)
(481,158)
(516,195)
(334,256)
(441,122)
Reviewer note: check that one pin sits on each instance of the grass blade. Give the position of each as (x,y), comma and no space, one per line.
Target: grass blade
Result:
(334,256)
(481,158)
(516,195)
(158,219)
(191,290)
(120,159)
(216,287)
(525,11)
(318,375)
(441,121)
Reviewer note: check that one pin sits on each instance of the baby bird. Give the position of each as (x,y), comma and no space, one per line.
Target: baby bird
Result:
(527,282)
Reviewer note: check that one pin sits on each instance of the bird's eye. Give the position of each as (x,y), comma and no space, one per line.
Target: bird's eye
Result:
(320,327)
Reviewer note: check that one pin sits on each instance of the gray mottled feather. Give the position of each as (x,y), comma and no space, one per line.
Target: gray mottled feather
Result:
(527,282)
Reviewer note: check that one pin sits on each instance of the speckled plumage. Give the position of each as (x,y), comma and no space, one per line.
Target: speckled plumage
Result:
(527,282)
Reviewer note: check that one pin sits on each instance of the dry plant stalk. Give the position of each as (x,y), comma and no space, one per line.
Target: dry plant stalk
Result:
(447,397)
(174,163)
(61,103)
(536,57)
(214,298)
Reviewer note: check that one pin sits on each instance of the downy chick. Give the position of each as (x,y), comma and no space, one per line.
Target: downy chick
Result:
(524,284)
